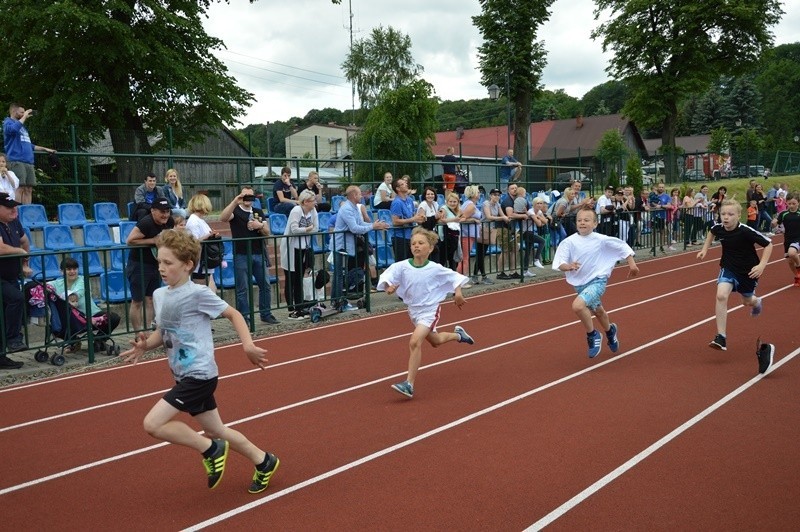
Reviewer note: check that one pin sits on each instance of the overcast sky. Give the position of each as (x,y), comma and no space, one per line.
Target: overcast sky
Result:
(289,54)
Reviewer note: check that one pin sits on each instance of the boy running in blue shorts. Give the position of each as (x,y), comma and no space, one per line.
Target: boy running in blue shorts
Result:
(183,313)
(587,259)
(740,270)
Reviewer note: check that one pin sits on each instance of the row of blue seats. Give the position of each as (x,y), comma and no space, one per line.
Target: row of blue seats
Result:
(34,216)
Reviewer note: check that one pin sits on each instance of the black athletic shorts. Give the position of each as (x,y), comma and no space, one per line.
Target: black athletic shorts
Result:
(193,396)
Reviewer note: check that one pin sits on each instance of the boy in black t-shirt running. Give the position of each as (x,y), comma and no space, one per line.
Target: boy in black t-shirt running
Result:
(740,269)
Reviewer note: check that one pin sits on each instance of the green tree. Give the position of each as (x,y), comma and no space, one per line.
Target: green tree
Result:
(611,93)
(554,105)
(665,50)
(380,63)
(512,58)
(611,150)
(633,173)
(133,67)
(720,141)
(778,81)
(400,127)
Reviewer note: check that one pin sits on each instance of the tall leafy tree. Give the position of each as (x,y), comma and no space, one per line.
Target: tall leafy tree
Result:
(611,150)
(609,96)
(512,57)
(778,81)
(665,50)
(134,67)
(379,63)
(400,127)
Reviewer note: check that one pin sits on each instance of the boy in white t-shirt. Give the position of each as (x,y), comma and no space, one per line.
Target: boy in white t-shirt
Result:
(587,258)
(423,285)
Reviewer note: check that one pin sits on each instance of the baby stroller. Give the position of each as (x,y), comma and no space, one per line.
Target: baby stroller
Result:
(66,326)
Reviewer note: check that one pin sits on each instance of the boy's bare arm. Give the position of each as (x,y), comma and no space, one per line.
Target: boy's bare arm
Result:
(256,355)
(706,243)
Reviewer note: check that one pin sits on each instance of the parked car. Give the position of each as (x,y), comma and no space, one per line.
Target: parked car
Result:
(694,174)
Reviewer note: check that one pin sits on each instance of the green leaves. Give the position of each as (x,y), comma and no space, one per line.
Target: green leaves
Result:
(380,63)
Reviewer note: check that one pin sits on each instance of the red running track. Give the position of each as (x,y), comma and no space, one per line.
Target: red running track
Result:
(520,430)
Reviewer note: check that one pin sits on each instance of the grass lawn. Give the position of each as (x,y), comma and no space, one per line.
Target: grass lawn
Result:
(738,186)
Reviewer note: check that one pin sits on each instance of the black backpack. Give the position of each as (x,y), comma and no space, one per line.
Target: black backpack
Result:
(211,257)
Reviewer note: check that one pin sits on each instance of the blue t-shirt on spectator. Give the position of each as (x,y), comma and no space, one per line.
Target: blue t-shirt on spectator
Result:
(403,208)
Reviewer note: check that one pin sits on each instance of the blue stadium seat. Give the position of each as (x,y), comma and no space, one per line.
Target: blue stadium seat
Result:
(227,246)
(58,237)
(440,199)
(45,267)
(71,214)
(106,212)
(384,256)
(277,224)
(257,203)
(96,266)
(325,238)
(336,202)
(125,230)
(114,287)
(32,246)
(224,277)
(130,207)
(98,235)
(271,202)
(385,215)
(119,259)
(32,216)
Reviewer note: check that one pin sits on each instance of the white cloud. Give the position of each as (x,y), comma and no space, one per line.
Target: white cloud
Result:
(311,37)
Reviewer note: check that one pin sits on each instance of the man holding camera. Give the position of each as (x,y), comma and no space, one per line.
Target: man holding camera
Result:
(250,257)
(19,150)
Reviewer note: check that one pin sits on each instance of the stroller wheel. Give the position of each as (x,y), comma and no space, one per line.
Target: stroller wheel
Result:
(58,360)
(40,356)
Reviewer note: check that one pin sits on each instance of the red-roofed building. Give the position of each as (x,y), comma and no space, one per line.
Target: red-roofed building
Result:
(560,145)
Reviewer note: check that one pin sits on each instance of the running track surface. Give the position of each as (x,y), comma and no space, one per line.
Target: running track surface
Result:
(519,431)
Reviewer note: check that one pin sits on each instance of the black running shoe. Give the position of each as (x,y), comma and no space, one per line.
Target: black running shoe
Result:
(215,464)
(765,354)
(718,343)
(261,478)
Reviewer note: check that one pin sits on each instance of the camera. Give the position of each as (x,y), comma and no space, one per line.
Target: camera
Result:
(248,197)
(32,112)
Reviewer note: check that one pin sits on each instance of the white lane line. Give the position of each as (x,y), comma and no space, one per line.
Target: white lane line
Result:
(623,468)
(91,373)
(84,467)
(334,351)
(383,452)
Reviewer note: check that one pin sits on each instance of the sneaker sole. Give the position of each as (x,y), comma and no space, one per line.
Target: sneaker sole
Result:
(263,488)
(771,349)
(715,345)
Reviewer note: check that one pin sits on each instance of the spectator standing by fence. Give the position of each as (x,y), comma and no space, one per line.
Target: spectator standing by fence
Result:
(248,229)
(404,218)
(142,269)
(19,150)
(12,242)
(296,252)
(199,207)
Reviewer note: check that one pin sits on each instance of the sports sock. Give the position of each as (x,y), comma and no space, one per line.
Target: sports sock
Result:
(211,450)
(263,465)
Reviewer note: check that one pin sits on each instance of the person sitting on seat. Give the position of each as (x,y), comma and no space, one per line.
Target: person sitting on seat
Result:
(144,197)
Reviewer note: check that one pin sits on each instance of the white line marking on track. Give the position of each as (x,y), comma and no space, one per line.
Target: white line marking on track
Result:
(623,468)
(349,348)
(383,452)
(91,372)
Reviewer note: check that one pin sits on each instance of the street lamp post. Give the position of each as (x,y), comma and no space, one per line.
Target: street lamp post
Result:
(494,95)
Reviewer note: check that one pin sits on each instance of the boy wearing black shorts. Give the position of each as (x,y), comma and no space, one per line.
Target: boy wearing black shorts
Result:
(183,314)
(740,268)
